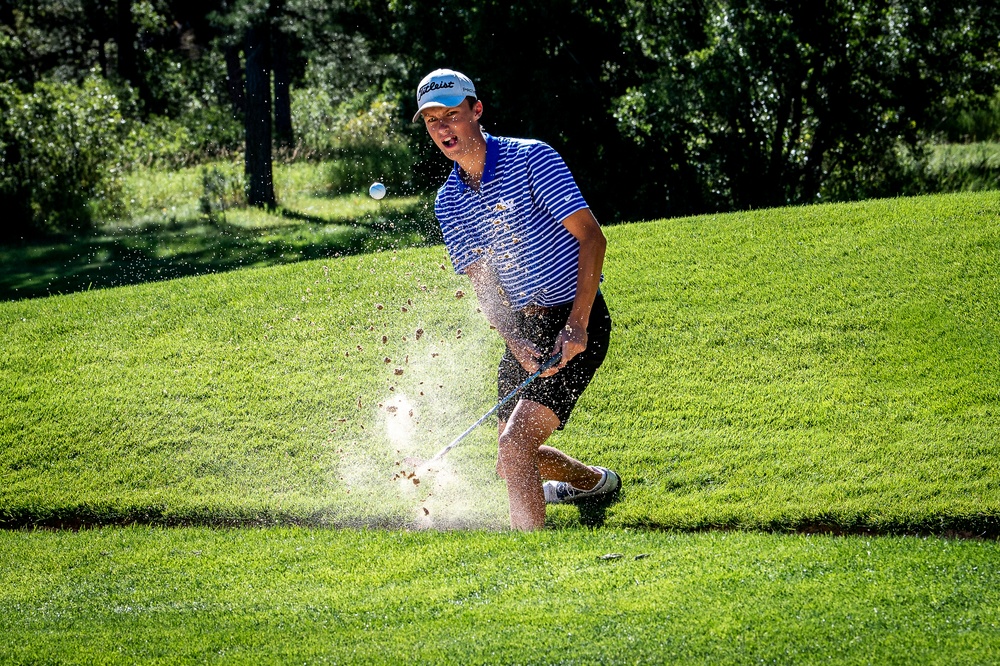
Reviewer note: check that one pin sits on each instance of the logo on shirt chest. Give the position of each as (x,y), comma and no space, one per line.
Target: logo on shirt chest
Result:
(504,213)
(502,205)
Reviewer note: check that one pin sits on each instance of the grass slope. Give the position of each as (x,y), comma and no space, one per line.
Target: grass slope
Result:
(827,367)
(823,365)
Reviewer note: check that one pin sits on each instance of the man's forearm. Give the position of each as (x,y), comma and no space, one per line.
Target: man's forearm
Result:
(588,279)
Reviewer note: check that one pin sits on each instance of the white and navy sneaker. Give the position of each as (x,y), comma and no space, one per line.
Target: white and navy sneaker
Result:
(562,492)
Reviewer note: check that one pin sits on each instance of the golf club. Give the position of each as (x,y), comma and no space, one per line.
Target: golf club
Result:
(545,366)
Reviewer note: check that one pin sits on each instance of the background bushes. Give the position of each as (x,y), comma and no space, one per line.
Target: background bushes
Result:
(62,156)
(660,108)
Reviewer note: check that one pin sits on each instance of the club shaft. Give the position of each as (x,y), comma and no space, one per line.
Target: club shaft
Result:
(545,366)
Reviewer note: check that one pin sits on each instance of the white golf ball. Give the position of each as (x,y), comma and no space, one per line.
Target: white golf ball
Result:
(377,190)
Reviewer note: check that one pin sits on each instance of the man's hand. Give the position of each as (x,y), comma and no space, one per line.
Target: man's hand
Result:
(572,340)
(527,353)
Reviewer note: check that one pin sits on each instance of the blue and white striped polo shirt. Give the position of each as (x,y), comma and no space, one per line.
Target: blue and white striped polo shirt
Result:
(515,220)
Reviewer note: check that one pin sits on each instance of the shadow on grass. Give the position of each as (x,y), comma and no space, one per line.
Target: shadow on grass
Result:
(182,248)
(81,517)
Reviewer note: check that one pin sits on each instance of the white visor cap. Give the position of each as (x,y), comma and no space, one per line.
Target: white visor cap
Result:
(443,88)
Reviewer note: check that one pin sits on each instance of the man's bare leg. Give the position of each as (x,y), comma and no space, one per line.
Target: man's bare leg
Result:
(523,461)
(555,465)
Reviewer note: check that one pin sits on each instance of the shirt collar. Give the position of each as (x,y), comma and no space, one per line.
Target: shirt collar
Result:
(489,170)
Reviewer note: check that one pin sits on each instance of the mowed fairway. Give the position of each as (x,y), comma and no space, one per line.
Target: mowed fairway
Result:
(824,369)
(291,595)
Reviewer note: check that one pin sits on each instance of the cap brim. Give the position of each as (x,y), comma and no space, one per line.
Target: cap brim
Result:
(441,102)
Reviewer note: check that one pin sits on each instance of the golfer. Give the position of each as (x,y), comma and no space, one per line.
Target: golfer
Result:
(515,222)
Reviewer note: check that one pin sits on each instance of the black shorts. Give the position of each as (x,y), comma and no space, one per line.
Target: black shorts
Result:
(560,391)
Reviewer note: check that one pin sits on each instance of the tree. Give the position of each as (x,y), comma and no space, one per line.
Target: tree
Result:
(770,102)
(562,65)
(282,89)
(258,168)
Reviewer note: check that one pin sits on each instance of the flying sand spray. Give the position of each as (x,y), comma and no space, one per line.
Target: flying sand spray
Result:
(440,454)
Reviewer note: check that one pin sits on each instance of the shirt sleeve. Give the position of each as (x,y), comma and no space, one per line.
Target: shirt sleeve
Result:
(552,184)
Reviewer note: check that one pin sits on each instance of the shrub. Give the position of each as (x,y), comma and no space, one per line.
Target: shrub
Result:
(196,136)
(220,191)
(359,137)
(62,149)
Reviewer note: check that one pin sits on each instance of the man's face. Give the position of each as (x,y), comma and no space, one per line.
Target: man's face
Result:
(455,130)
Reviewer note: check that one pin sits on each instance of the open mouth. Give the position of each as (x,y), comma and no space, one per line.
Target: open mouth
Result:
(450,142)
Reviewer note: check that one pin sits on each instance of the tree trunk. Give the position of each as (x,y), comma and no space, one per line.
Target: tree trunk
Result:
(234,79)
(260,186)
(125,39)
(282,98)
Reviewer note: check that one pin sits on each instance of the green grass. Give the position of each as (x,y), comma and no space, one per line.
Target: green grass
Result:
(815,369)
(956,155)
(829,367)
(961,167)
(166,235)
(820,365)
(284,596)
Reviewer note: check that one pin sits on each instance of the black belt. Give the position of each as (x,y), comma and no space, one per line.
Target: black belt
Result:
(536,310)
